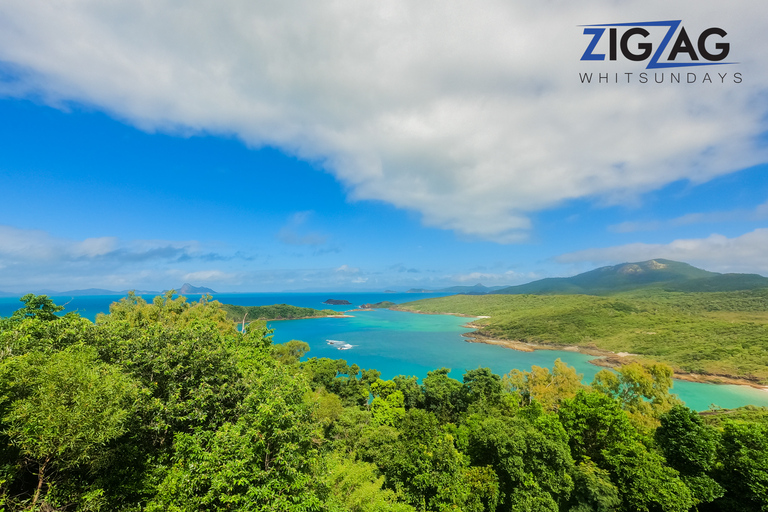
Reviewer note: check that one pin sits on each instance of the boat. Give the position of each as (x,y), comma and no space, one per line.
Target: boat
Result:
(335,342)
(345,346)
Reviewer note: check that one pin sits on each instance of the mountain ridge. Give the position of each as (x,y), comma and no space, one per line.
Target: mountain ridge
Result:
(656,273)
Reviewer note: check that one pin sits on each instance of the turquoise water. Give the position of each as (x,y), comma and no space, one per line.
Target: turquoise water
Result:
(89,306)
(397,343)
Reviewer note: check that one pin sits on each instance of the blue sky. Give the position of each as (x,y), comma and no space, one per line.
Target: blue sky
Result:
(280,149)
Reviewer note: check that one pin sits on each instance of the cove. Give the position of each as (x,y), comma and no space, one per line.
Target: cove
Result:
(400,343)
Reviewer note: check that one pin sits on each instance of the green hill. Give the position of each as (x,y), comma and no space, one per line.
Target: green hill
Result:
(273,312)
(665,274)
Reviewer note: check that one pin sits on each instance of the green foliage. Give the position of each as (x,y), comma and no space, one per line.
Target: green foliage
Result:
(351,384)
(290,352)
(643,390)
(748,413)
(37,306)
(262,461)
(531,459)
(274,312)
(600,431)
(356,486)
(645,483)
(593,490)
(444,396)
(166,310)
(60,410)
(743,470)
(420,460)
(594,422)
(545,387)
(690,447)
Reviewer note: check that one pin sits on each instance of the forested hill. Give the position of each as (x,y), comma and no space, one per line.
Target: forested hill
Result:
(274,312)
(659,273)
(166,406)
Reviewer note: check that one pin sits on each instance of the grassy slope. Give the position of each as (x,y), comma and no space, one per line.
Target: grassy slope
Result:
(723,333)
(274,312)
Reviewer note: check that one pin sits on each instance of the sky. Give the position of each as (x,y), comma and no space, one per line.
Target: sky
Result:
(354,145)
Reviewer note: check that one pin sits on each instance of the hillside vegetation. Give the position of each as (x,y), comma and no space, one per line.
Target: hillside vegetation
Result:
(273,312)
(721,333)
(165,406)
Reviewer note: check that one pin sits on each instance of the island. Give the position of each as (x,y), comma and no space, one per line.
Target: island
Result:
(275,312)
(337,302)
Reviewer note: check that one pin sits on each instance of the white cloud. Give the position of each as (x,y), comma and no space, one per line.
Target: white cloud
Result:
(745,253)
(470,113)
(492,278)
(210,276)
(757,214)
(32,259)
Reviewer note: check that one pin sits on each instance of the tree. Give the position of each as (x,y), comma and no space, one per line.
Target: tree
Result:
(290,352)
(743,471)
(690,447)
(642,389)
(60,410)
(265,459)
(37,306)
(547,388)
(482,386)
(594,422)
(530,457)
(444,396)
(600,431)
(356,486)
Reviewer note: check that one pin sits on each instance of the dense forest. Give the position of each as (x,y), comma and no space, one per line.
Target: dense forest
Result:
(166,406)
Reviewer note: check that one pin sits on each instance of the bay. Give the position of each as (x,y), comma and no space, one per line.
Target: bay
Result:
(399,343)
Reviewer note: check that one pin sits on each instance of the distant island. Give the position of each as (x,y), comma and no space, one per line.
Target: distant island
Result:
(274,312)
(337,302)
(187,288)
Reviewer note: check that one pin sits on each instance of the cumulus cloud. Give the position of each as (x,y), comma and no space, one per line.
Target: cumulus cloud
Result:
(35,258)
(745,253)
(209,276)
(470,113)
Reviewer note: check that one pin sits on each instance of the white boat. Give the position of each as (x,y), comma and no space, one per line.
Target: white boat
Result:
(345,346)
(335,342)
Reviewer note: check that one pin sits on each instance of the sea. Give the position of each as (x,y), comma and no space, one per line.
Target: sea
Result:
(400,343)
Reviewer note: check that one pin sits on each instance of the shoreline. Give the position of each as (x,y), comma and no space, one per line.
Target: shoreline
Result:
(603,358)
(608,359)
(297,318)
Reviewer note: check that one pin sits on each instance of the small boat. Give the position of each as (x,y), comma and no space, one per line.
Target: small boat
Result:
(345,346)
(334,342)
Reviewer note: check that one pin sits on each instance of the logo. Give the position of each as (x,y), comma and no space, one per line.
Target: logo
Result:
(660,45)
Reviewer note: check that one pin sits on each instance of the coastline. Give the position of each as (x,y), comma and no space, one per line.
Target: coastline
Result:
(300,318)
(603,358)
(607,359)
